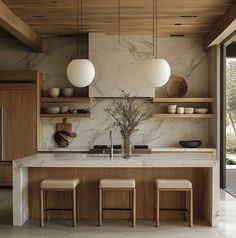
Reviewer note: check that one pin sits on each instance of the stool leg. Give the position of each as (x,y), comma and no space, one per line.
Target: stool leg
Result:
(157,207)
(46,204)
(191,209)
(100,208)
(130,205)
(77,204)
(154,204)
(134,208)
(41,208)
(74,208)
(187,205)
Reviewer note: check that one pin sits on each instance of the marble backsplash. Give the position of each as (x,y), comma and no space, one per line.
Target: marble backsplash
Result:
(120,65)
(185,56)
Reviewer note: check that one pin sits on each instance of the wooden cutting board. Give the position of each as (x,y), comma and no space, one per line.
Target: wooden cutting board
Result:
(64,126)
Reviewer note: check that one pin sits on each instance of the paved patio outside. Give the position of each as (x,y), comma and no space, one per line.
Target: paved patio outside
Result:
(231,176)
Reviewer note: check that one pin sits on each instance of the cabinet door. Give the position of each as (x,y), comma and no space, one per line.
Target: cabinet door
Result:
(19,123)
(1,128)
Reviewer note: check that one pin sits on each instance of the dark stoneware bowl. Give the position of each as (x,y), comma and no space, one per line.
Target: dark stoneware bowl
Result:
(190,143)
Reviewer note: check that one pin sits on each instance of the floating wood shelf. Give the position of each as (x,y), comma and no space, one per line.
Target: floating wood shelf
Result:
(67,100)
(67,115)
(183,116)
(183,100)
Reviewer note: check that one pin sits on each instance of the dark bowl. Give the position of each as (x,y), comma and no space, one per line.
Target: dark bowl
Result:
(190,143)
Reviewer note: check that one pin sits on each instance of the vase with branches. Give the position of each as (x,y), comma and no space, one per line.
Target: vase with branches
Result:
(128,114)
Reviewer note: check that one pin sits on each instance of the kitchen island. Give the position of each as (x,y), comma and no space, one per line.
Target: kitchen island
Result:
(200,166)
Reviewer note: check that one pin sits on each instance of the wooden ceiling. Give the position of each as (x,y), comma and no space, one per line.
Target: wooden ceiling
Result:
(175,17)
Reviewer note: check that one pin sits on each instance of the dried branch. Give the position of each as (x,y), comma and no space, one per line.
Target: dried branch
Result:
(128,113)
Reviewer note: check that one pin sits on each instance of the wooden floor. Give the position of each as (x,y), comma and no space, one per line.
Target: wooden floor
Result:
(88,191)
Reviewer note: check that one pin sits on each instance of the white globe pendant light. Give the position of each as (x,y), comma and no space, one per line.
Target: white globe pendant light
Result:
(80,72)
(157,71)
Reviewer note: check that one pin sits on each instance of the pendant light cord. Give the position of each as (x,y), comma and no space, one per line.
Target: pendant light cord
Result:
(156,25)
(118,16)
(153,27)
(77,29)
(81,28)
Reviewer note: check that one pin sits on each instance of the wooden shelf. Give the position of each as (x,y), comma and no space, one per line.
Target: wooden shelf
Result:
(183,116)
(67,100)
(67,115)
(183,100)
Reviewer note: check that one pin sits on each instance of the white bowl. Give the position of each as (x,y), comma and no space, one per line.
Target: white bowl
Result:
(172,107)
(201,110)
(64,109)
(172,111)
(180,110)
(68,92)
(54,92)
(189,110)
(53,110)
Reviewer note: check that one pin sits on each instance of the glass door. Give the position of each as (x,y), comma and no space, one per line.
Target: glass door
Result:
(228,115)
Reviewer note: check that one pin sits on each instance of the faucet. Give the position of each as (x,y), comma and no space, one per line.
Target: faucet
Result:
(111,149)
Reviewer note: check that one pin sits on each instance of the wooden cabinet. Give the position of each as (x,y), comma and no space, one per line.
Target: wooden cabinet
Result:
(19,126)
(19,115)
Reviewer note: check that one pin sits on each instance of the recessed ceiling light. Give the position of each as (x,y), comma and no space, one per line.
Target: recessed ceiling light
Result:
(188,16)
(176,35)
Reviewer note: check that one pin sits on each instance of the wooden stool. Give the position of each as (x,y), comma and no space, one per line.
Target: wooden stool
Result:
(62,185)
(118,184)
(173,185)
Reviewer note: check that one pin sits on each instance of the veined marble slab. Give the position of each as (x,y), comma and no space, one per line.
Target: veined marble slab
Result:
(168,159)
(163,149)
(120,66)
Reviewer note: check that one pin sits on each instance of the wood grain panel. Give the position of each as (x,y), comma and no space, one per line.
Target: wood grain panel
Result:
(20,120)
(59,17)
(5,174)
(88,195)
(19,75)
(223,28)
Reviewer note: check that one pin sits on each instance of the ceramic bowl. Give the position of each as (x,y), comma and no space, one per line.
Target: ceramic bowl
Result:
(172,111)
(172,107)
(189,110)
(83,111)
(67,92)
(53,110)
(180,110)
(54,92)
(191,143)
(73,111)
(64,109)
(201,110)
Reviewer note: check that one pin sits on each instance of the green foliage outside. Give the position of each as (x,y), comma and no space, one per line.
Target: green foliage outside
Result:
(231,105)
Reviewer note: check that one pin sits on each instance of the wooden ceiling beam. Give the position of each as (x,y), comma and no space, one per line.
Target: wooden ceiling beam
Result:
(223,28)
(19,29)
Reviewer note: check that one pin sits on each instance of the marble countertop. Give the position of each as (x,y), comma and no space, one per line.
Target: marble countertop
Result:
(154,150)
(168,159)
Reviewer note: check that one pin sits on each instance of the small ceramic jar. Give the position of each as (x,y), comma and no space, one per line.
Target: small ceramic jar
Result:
(68,92)
(54,92)
(180,110)
(189,110)
(172,108)
(64,109)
